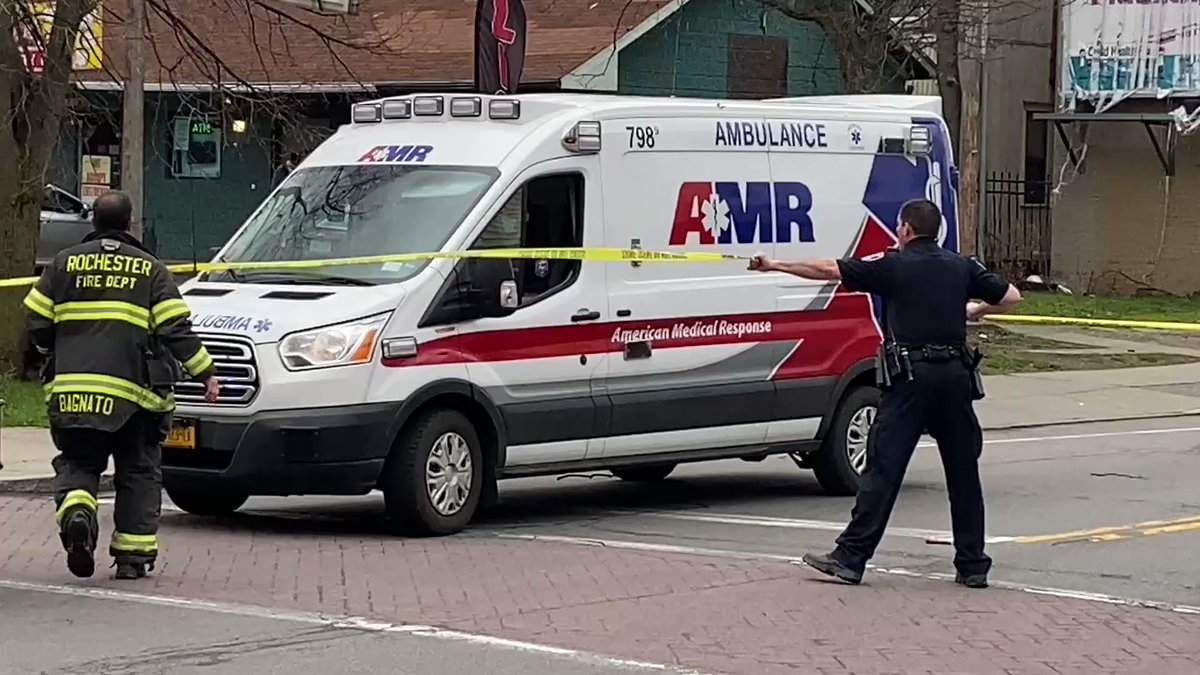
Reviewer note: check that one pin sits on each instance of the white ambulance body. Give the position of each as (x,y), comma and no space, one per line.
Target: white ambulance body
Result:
(431,380)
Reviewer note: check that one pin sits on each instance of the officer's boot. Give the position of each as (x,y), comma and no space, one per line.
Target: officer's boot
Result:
(78,529)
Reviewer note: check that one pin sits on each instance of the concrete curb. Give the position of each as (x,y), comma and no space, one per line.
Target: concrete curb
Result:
(45,484)
(42,485)
(1094,420)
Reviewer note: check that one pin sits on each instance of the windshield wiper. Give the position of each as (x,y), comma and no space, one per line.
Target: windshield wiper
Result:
(300,277)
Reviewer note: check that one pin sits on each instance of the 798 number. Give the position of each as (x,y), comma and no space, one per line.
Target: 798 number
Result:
(641,137)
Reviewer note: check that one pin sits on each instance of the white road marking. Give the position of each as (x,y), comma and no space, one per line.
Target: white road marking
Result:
(897,571)
(345,622)
(928,536)
(1075,437)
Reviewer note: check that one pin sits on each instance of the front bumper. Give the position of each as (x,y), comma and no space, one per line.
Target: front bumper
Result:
(330,451)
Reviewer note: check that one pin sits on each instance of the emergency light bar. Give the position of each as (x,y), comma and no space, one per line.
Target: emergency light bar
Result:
(504,109)
(397,109)
(466,107)
(366,112)
(428,106)
(435,106)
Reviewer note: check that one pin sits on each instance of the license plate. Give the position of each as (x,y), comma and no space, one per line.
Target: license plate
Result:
(182,435)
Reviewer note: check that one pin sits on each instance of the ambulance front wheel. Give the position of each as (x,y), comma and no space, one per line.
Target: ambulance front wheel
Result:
(843,456)
(434,476)
(644,474)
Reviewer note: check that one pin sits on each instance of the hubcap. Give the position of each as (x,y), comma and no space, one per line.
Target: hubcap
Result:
(856,437)
(448,473)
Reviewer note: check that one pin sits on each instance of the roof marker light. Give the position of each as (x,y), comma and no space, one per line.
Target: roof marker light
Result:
(466,107)
(504,109)
(397,109)
(428,106)
(366,112)
(583,137)
(919,141)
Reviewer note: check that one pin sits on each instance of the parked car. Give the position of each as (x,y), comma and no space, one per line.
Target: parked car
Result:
(65,222)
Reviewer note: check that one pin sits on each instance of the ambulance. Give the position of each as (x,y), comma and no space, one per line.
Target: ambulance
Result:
(432,379)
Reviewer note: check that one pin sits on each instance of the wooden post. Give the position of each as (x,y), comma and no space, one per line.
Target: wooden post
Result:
(133,121)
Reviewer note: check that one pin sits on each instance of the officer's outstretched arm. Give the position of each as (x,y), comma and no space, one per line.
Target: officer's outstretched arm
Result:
(171,320)
(978,310)
(39,308)
(818,268)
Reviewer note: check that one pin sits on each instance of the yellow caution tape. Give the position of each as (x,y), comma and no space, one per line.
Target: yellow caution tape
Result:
(593,254)
(1100,323)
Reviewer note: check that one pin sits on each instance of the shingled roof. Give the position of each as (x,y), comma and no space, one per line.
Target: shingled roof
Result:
(389,42)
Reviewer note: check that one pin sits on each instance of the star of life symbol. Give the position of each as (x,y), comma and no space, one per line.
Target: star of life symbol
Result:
(713,213)
(262,325)
(856,136)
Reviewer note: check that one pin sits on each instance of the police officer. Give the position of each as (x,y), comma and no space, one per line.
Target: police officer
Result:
(111,320)
(928,292)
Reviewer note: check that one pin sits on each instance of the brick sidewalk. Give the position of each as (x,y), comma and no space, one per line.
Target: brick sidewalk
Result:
(712,614)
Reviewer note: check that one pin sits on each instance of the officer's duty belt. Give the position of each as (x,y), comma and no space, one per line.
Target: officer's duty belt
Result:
(935,353)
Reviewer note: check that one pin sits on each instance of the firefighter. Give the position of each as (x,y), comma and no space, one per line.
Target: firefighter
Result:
(116,333)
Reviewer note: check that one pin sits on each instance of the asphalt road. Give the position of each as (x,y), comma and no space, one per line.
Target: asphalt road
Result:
(1108,508)
(59,634)
(1102,509)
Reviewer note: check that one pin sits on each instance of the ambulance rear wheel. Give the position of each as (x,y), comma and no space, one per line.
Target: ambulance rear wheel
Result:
(843,455)
(205,502)
(434,477)
(644,474)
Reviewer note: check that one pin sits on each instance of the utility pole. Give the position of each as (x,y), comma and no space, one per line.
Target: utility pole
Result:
(133,122)
(970,74)
(985,35)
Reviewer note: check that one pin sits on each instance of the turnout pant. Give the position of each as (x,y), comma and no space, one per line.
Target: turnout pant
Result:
(938,400)
(136,450)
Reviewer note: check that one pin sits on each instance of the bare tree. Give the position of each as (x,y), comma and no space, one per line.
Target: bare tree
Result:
(35,101)
(32,106)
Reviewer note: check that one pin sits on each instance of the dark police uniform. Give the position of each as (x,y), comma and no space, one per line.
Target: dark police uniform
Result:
(112,320)
(926,289)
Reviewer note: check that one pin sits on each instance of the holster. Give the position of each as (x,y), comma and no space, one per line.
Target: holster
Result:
(891,365)
(972,358)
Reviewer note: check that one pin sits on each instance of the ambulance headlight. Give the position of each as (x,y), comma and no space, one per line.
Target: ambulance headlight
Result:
(341,345)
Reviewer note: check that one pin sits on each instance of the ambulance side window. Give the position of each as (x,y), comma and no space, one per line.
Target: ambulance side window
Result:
(546,212)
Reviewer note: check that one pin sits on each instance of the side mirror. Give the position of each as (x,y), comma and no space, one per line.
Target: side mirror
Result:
(493,290)
(509,298)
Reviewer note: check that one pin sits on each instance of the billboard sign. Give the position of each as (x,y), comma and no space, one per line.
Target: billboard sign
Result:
(1117,49)
(89,51)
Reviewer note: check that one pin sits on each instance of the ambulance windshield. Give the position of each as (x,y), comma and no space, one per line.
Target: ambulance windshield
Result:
(355,211)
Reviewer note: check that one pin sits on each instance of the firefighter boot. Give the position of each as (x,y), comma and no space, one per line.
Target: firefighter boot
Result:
(78,529)
(131,570)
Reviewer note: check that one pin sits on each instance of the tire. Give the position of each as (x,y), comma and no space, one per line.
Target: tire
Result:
(644,474)
(832,465)
(410,507)
(202,502)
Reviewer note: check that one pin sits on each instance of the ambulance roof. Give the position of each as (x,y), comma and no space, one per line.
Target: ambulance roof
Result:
(483,141)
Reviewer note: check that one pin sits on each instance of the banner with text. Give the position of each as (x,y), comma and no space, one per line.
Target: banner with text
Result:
(1116,49)
(33,32)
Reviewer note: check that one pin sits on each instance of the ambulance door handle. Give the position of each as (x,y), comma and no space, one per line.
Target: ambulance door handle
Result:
(622,313)
(585,315)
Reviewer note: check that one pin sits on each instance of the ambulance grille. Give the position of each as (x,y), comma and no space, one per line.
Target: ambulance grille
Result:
(236,369)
